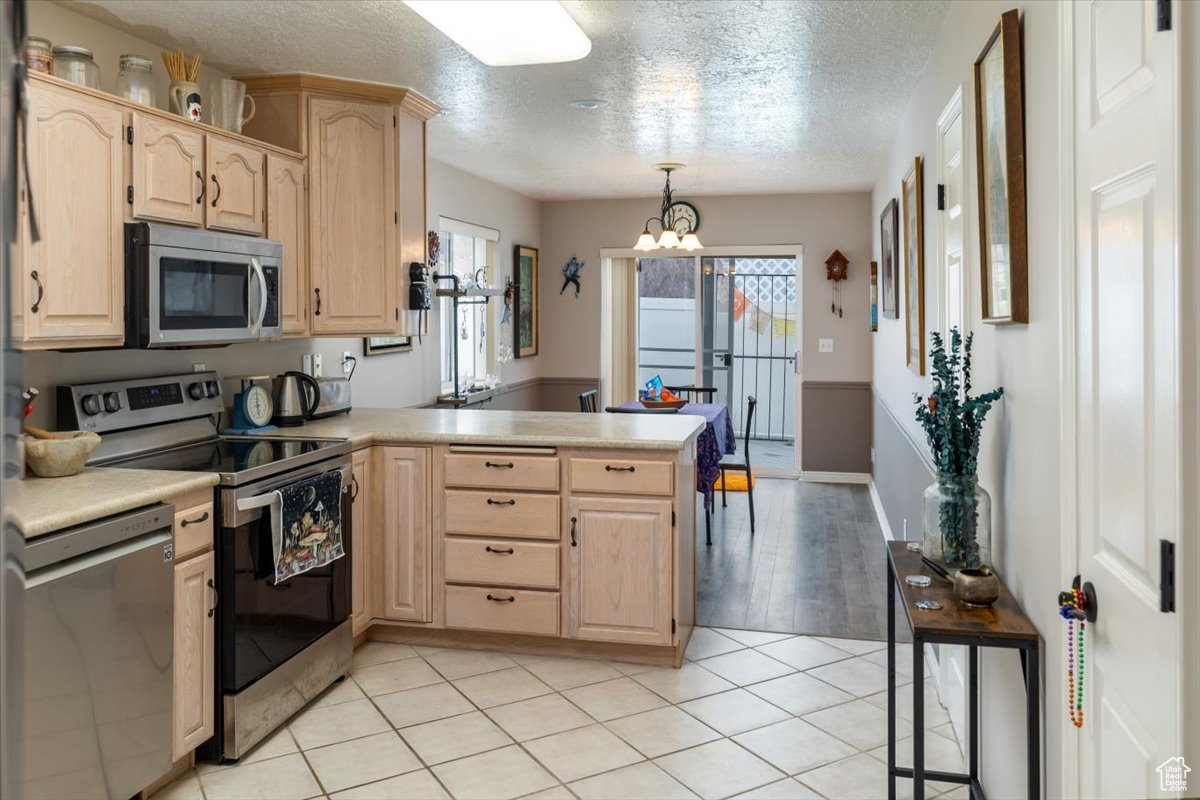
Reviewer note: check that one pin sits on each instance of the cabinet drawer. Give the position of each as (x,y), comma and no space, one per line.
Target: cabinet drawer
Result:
(525,612)
(502,471)
(193,530)
(502,562)
(622,476)
(529,516)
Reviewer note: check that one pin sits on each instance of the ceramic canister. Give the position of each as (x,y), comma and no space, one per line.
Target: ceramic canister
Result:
(185,100)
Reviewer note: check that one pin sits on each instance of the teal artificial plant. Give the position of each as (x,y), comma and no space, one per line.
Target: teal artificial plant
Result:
(953,421)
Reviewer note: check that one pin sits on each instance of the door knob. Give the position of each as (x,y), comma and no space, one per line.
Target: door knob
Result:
(1068,606)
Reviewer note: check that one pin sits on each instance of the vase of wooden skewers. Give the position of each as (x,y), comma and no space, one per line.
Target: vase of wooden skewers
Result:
(185,92)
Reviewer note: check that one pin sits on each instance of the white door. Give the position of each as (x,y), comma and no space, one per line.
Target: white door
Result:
(952,659)
(1127,417)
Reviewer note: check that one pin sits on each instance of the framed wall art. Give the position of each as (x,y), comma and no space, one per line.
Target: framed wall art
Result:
(914,267)
(889,256)
(380,345)
(525,310)
(1000,156)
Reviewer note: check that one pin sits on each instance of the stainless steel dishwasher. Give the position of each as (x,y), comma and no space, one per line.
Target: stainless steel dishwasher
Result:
(98,634)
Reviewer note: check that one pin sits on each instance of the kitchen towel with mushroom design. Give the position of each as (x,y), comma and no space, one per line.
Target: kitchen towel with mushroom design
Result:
(309,532)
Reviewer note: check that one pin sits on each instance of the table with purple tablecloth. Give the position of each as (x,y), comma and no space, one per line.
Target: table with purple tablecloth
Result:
(714,443)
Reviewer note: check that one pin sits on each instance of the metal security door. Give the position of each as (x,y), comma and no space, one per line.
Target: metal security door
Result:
(750,335)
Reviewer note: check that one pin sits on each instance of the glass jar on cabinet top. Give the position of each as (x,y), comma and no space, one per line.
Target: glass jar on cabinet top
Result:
(136,80)
(76,65)
(39,55)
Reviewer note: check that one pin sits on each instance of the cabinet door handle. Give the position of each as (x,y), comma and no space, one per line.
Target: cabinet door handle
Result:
(499,464)
(216,597)
(41,291)
(574,524)
(491,549)
(495,599)
(217,194)
(353,488)
(317,313)
(202,518)
(509,502)
(203,187)
(611,468)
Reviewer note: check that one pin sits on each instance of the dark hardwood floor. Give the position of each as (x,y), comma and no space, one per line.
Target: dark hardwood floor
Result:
(815,565)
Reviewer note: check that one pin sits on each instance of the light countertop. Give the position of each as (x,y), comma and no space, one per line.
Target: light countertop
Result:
(37,506)
(365,426)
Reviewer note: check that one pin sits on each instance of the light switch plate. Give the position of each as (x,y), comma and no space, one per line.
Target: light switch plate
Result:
(825,345)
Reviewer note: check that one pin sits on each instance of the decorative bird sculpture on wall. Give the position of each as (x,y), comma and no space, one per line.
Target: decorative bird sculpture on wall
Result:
(571,274)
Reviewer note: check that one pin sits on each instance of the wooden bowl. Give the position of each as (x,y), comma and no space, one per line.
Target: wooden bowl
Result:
(58,458)
(663,403)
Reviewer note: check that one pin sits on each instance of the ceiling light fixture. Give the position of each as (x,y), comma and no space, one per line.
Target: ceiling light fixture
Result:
(677,230)
(508,33)
(589,105)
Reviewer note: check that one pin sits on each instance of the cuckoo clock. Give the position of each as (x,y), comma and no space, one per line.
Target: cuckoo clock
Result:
(837,266)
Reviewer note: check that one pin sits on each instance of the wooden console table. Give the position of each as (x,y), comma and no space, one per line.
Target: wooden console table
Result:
(1002,625)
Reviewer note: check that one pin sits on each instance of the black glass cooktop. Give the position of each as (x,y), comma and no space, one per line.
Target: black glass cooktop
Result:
(240,459)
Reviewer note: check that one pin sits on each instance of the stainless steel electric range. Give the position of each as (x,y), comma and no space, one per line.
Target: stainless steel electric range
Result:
(278,645)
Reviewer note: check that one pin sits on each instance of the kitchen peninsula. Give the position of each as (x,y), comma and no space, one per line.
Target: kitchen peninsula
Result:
(529,531)
(536,531)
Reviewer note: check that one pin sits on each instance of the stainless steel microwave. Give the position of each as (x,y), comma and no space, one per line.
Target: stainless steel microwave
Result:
(186,287)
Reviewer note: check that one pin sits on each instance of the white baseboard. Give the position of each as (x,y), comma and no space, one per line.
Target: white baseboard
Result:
(878,503)
(835,477)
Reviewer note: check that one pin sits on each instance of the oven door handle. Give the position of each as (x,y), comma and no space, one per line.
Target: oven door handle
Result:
(258,501)
(257,270)
(249,508)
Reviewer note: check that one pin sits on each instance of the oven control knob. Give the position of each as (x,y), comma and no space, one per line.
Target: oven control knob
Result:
(196,390)
(90,404)
(211,389)
(112,402)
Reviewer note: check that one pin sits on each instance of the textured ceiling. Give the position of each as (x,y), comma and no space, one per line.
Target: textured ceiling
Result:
(764,96)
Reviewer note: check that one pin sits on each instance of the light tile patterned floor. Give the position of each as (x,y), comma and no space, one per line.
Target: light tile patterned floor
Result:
(750,715)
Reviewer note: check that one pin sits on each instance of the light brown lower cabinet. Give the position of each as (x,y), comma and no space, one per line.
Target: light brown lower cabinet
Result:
(360,541)
(620,584)
(407,533)
(195,652)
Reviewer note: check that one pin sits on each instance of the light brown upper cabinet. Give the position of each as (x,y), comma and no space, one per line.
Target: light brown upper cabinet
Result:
(352,265)
(620,552)
(237,187)
(69,289)
(287,221)
(365,144)
(169,183)
(182,174)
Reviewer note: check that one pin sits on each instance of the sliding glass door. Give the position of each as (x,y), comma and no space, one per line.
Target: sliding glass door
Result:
(749,332)
(730,322)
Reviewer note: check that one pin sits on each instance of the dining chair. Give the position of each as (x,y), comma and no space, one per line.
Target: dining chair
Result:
(693,393)
(587,401)
(640,410)
(742,464)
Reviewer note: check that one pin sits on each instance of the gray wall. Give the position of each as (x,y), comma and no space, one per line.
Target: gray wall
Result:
(836,427)
(901,472)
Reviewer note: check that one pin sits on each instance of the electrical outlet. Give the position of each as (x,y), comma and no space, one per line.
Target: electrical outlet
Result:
(904,535)
(201,367)
(318,369)
(825,345)
(347,362)
(872,456)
